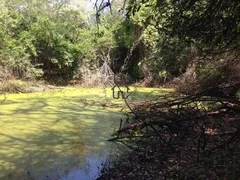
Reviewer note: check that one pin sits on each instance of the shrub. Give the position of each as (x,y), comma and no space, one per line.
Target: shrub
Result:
(14,86)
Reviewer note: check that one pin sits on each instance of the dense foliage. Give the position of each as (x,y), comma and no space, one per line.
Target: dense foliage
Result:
(44,38)
(154,41)
(200,37)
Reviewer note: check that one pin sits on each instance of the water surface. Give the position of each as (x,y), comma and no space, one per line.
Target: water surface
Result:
(57,135)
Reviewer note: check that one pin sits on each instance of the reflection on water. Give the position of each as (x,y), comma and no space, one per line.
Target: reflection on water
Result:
(88,172)
(54,136)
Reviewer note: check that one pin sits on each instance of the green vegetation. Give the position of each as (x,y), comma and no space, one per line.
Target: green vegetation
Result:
(191,46)
(42,38)
(146,41)
(55,41)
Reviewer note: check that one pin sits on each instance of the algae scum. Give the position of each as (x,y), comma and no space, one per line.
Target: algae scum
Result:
(56,135)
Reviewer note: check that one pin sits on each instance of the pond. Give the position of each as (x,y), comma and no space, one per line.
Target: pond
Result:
(58,135)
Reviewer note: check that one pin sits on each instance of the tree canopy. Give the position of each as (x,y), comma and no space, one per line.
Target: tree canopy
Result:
(150,41)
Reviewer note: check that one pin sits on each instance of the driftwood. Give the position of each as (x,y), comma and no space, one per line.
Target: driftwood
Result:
(201,131)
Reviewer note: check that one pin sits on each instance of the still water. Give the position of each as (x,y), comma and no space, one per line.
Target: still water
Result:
(58,135)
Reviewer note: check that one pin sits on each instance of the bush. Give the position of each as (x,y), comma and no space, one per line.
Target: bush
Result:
(99,77)
(14,86)
(221,72)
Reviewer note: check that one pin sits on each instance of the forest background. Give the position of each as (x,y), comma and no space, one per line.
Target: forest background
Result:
(67,41)
(191,45)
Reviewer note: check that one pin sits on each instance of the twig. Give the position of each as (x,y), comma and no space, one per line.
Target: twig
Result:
(5,97)
(129,146)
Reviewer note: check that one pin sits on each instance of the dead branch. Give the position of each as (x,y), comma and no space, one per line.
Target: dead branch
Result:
(200,140)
